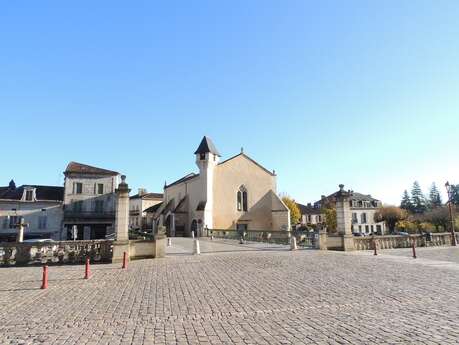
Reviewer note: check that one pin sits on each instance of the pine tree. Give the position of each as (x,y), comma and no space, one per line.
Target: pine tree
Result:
(406,202)
(434,197)
(418,199)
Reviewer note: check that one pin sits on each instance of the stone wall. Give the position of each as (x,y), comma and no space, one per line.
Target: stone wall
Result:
(64,252)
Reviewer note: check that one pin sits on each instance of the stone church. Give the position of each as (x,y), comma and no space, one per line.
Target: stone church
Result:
(237,193)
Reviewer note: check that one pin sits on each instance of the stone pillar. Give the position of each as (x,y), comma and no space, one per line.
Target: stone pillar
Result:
(20,234)
(121,243)
(344,217)
(160,242)
(322,240)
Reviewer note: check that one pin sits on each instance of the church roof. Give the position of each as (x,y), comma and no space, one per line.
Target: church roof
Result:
(183,179)
(79,168)
(250,159)
(207,146)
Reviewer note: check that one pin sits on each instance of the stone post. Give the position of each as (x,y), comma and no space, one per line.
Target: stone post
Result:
(160,242)
(344,217)
(20,234)
(293,245)
(322,242)
(121,243)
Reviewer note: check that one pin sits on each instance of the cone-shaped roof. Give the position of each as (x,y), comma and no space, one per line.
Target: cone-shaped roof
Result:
(207,146)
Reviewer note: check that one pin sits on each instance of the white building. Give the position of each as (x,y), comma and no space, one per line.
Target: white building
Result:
(237,193)
(363,208)
(89,201)
(138,204)
(39,206)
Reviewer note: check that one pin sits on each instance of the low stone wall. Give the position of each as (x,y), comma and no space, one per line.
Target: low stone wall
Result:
(270,236)
(64,252)
(335,242)
(142,249)
(395,241)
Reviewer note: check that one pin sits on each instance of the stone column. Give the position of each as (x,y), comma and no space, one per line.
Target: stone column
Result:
(344,217)
(322,240)
(20,234)
(121,243)
(122,211)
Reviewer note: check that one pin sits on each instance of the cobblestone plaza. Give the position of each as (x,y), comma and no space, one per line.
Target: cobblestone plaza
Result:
(239,294)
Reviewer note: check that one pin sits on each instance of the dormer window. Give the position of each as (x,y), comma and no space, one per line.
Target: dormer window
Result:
(29,194)
(202,156)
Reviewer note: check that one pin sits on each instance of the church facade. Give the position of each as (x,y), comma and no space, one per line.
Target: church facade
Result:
(235,194)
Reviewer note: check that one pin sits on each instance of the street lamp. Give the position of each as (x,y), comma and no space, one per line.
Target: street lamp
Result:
(449,190)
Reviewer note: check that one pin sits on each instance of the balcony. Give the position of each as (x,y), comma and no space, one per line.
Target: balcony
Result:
(89,215)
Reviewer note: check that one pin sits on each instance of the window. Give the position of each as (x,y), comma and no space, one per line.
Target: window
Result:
(6,222)
(42,222)
(239,201)
(202,156)
(14,221)
(367,230)
(309,218)
(354,218)
(363,218)
(242,199)
(29,195)
(99,206)
(372,228)
(77,187)
(100,188)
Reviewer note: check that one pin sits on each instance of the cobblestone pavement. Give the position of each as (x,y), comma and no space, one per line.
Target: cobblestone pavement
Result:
(243,297)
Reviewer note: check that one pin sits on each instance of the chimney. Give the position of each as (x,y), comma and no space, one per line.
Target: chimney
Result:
(142,191)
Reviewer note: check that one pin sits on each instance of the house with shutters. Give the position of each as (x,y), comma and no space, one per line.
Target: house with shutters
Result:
(237,193)
(89,201)
(40,207)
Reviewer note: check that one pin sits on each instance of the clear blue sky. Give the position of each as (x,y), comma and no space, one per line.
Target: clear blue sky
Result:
(363,93)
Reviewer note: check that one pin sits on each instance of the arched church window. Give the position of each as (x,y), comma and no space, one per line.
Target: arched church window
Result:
(242,199)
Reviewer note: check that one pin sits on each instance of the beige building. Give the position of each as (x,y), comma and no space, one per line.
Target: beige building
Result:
(138,204)
(89,201)
(237,193)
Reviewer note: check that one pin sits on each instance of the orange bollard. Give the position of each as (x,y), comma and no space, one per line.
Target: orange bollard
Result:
(414,249)
(125,259)
(87,271)
(44,284)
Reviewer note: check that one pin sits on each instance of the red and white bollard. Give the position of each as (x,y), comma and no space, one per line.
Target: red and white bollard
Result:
(125,260)
(414,249)
(87,271)
(44,284)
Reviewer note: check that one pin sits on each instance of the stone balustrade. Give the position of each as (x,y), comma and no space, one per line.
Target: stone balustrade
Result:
(64,252)
(396,241)
(270,236)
